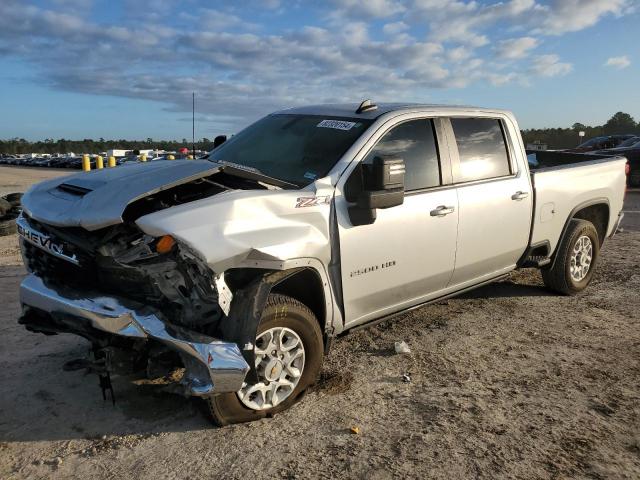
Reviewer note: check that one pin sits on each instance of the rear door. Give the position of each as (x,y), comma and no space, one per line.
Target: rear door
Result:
(494,198)
(408,253)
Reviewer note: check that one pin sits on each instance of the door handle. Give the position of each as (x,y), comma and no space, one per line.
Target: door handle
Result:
(441,211)
(519,195)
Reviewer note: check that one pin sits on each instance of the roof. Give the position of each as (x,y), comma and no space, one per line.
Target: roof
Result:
(349,109)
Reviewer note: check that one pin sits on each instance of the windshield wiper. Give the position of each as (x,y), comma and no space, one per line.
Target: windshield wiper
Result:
(252,173)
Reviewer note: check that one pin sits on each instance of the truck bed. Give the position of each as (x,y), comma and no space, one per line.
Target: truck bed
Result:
(564,182)
(557,158)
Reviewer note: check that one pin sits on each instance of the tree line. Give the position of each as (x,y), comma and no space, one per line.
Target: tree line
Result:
(14,146)
(620,123)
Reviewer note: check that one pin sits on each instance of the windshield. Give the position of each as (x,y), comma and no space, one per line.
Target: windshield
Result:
(592,142)
(294,148)
(630,142)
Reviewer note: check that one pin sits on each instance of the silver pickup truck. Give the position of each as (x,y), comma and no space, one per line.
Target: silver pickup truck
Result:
(241,268)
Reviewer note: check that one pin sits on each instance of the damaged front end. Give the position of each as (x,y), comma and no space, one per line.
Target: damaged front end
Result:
(123,292)
(166,261)
(94,273)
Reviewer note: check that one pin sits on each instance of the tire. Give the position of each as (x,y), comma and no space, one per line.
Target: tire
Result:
(14,199)
(280,312)
(7,226)
(559,277)
(634,179)
(5,206)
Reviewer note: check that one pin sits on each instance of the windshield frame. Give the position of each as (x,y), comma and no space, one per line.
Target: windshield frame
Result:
(367,124)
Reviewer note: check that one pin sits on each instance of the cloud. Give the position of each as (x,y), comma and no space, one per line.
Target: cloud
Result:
(618,62)
(271,4)
(515,48)
(74,4)
(563,16)
(465,22)
(368,9)
(459,54)
(216,20)
(242,66)
(549,66)
(394,28)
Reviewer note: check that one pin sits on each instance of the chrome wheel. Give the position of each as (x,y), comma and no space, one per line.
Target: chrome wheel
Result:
(581,258)
(279,364)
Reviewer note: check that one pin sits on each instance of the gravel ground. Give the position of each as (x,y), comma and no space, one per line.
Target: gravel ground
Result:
(508,381)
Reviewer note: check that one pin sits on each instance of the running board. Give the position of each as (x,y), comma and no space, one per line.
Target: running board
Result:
(536,262)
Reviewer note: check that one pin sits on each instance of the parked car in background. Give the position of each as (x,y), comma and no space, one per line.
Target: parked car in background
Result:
(629,142)
(59,162)
(76,162)
(631,150)
(599,143)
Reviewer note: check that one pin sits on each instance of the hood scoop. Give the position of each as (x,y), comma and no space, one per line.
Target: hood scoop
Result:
(73,189)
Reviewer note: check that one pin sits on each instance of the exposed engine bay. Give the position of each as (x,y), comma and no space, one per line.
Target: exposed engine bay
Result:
(123,261)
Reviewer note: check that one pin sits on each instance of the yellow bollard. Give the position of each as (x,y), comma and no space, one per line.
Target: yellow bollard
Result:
(143,157)
(99,162)
(189,157)
(170,157)
(86,163)
(111,162)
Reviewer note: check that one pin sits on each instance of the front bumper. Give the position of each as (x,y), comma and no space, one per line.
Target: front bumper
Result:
(212,366)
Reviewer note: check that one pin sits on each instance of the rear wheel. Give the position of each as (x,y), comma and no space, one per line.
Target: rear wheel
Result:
(289,354)
(575,259)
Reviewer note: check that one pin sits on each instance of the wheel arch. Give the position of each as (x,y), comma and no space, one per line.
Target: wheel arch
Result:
(306,286)
(597,211)
(251,287)
(598,214)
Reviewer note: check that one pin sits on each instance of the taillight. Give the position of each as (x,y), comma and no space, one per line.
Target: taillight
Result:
(627,171)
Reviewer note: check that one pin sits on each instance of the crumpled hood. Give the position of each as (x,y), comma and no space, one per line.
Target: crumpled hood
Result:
(97,199)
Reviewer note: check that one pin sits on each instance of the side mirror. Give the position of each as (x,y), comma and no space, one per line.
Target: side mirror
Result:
(219,140)
(382,186)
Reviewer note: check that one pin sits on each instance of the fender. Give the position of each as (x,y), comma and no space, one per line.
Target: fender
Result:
(572,214)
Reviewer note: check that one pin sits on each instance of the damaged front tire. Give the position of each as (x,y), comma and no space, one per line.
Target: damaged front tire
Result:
(289,354)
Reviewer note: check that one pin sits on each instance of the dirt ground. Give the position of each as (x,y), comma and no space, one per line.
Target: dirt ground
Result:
(508,381)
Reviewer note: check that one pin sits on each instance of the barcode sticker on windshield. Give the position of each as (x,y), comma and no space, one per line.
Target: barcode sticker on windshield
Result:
(337,124)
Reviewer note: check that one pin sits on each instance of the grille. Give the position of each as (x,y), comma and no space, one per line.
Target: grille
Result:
(57,270)
(51,268)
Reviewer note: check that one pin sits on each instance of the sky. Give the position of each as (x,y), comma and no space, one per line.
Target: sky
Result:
(127,68)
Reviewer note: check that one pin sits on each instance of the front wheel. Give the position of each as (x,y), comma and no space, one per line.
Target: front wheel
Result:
(575,259)
(289,354)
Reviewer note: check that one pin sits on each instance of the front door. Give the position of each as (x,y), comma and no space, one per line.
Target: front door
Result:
(408,253)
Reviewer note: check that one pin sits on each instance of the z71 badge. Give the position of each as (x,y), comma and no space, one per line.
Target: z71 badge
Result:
(313,201)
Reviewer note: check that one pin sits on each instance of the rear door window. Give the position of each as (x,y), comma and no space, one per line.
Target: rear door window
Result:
(481,148)
(413,141)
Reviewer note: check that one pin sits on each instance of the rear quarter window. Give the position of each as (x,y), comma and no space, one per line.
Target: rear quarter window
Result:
(482,149)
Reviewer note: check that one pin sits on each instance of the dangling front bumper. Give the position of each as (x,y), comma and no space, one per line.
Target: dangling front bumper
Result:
(212,366)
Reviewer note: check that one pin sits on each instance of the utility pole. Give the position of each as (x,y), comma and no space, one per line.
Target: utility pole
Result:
(193,124)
